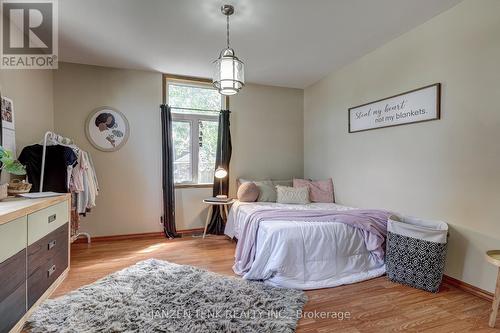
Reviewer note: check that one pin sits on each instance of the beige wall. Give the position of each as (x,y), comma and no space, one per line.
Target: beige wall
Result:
(267,133)
(447,169)
(31,92)
(266,125)
(267,139)
(130,185)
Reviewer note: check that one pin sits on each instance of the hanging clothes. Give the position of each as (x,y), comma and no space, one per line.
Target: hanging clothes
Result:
(91,182)
(67,169)
(83,197)
(57,160)
(84,183)
(76,182)
(91,162)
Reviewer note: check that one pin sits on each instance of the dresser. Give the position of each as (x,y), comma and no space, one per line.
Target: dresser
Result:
(34,255)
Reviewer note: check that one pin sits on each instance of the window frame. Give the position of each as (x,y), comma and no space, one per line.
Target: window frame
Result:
(194,120)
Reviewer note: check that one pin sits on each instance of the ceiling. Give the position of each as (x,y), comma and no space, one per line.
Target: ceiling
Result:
(290,43)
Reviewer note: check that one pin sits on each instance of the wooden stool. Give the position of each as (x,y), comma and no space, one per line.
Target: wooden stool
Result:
(494,258)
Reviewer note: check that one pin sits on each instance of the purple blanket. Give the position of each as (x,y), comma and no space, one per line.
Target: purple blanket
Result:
(372,223)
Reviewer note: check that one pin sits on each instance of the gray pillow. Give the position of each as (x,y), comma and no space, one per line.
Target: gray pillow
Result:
(267,188)
(267,191)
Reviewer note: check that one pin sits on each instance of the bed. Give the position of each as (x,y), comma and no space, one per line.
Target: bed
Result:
(304,255)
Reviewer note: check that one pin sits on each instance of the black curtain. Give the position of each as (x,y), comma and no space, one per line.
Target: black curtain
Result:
(223,157)
(168,217)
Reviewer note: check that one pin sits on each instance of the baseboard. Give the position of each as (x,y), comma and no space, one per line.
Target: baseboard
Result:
(190,231)
(121,237)
(135,236)
(468,288)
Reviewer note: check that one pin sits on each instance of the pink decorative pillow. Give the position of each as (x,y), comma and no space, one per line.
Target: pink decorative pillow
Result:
(319,190)
(248,192)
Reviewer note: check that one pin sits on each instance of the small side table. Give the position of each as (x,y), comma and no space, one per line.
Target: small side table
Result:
(223,211)
(493,257)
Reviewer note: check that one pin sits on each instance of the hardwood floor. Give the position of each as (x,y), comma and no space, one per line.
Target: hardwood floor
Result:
(375,306)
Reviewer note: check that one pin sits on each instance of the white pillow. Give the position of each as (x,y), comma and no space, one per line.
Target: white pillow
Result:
(292,195)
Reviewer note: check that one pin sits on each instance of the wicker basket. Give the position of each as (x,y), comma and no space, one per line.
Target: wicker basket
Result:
(17,186)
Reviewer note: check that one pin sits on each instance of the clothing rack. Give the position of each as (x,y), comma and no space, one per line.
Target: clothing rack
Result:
(61,140)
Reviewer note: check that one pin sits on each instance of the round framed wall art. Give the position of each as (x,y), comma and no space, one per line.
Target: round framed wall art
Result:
(107,129)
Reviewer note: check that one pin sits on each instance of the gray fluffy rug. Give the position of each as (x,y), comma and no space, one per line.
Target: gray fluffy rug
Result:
(158,296)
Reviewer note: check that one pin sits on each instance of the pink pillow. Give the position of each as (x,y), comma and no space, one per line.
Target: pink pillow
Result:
(319,190)
(248,192)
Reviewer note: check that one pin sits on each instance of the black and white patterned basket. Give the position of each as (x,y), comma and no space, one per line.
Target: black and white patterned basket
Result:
(416,252)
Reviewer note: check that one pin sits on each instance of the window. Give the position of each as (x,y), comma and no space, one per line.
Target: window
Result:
(195,110)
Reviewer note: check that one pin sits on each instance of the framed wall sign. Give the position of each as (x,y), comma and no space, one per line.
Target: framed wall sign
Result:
(107,129)
(414,106)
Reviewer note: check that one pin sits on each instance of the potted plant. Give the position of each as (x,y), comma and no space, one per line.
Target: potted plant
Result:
(14,167)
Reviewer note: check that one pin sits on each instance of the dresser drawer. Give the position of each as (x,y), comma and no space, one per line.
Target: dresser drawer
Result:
(44,221)
(45,267)
(12,237)
(12,308)
(40,252)
(44,276)
(12,274)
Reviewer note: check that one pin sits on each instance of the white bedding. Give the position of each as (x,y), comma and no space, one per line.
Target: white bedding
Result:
(306,255)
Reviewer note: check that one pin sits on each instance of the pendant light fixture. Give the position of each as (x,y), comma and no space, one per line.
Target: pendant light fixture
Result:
(229,71)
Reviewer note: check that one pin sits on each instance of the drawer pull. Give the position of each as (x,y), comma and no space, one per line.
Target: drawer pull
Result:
(51,270)
(52,218)
(52,244)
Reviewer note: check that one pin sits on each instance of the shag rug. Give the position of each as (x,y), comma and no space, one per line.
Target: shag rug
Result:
(158,296)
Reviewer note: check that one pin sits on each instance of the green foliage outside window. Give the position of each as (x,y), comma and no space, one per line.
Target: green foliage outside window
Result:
(195,111)
(189,97)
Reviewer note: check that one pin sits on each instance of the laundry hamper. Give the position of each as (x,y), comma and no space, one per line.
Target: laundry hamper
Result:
(416,252)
